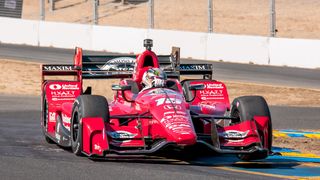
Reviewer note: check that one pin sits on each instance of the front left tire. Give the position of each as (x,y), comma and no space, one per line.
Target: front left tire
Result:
(85,106)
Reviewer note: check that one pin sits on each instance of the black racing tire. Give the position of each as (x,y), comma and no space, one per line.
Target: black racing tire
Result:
(86,106)
(45,119)
(245,108)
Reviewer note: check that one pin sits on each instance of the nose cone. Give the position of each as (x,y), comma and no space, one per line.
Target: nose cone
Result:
(186,139)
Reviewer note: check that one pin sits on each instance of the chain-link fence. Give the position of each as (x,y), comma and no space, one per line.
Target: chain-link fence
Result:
(11,8)
(289,18)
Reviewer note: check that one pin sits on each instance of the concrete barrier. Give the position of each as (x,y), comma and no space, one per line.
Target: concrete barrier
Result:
(192,44)
(65,35)
(232,48)
(118,39)
(245,49)
(17,31)
(295,52)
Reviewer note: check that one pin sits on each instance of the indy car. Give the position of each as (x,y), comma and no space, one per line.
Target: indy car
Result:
(182,114)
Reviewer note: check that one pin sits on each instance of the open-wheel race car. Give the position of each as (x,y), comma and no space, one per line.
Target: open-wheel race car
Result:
(177,115)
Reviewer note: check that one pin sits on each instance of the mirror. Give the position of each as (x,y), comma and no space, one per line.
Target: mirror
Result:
(88,90)
(196,87)
(122,88)
(116,87)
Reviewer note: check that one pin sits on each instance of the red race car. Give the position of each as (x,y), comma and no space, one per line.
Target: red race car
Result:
(139,120)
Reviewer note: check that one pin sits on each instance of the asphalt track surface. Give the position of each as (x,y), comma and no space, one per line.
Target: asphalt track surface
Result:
(283,117)
(284,76)
(25,155)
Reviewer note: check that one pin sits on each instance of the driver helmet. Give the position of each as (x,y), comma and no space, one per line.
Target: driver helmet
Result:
(153,77)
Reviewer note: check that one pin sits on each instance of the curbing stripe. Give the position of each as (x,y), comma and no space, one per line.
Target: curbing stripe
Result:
(298,154)
(296,134)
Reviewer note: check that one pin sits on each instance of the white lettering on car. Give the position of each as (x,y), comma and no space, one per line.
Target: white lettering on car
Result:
(64,94)
(234,134)
(213,86)
(211,92)
(177,122)
(52,116)
(161,101)
(57,68)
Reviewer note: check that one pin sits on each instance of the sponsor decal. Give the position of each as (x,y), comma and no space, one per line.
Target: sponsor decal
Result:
(57,68)
(55,86)
(122,60)
(161,101)
(64,99)
(161,91)
(234,141)
(192,67)
(66,121)
(234,134)
(172,107)
(121,135)
(175,112)
(64,87)
(58,136)
(97,147)
(177,122)
(52,116)
(138,107)
(211,98)
(211,92)
(63,94)
(70,87)
(119,64)
(213,86)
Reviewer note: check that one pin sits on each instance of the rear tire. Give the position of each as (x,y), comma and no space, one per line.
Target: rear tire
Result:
(86,106)
(245,108)
(45,119)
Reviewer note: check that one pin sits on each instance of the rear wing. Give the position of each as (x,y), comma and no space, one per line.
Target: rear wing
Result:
(122,66)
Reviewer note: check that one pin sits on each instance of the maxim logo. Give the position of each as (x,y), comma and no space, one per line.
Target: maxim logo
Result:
(192,67)
(58,68)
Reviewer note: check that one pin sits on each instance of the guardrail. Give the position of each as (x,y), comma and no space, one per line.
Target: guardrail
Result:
(208,46)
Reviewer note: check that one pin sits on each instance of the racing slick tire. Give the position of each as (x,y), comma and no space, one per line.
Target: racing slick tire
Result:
(246,107)
(85,106)
(45,119)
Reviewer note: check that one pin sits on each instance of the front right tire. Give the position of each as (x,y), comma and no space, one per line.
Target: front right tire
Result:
(245,108)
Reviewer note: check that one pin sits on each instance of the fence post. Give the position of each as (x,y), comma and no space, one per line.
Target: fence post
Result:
(95,11)
(42,10)
(151,14)
(273,29)
(210,16)
(52,5)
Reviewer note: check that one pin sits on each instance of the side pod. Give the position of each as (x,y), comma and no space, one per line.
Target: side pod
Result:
(94,137)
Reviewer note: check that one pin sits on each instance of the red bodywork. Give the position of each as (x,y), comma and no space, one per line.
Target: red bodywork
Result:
(160,117)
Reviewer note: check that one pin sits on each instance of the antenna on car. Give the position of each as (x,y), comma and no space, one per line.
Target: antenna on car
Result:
(148,43)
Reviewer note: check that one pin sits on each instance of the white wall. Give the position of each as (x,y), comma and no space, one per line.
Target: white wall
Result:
(16,31)
(295,52)
(65,35)
(196,45)
(243,49)
(192,44)
(118,39)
